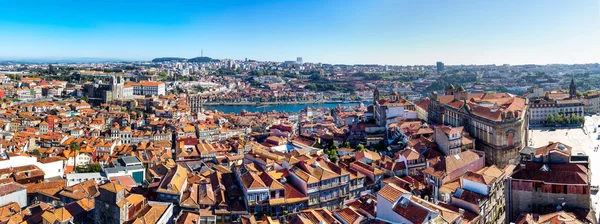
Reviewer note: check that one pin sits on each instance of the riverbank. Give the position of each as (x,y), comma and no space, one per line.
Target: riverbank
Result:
(279,103)
(289,108)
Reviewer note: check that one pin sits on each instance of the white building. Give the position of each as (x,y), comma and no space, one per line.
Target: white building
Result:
(52,167)
(13,192)
(76,178)
(149,88)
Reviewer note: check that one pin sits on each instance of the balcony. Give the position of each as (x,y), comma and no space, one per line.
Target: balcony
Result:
(313,189)
(327,186)
(329,198)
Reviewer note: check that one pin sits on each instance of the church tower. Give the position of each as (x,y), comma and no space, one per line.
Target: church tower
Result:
(450,90)
(572,89)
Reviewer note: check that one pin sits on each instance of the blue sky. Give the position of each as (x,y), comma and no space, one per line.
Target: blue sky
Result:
(346,31)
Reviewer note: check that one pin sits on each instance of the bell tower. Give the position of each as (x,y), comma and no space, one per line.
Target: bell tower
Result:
(572,89)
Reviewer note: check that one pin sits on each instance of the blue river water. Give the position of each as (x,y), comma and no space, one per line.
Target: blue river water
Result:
(290,108)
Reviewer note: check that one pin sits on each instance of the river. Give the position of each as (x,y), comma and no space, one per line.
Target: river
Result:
(290,108)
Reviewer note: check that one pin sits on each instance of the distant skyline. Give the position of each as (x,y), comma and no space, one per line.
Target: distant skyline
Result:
(337,32)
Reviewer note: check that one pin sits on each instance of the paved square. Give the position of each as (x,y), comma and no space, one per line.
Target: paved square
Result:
(579,140)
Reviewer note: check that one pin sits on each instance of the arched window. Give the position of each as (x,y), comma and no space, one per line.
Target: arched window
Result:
(510,137)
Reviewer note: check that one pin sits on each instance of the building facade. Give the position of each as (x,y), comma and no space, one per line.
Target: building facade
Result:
(498,122)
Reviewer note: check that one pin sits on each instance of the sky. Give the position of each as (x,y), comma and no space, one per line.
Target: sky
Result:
(394,32)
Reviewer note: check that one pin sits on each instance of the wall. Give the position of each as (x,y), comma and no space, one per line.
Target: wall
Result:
(465,205)
(528,201)
(475,187)
(19,196)
(15,161)
(167,216)
(394,112)
(473,166)
(52,169)
(385,212)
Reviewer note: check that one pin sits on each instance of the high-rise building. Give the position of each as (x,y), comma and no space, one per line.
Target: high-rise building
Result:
(440,66)
(299,60)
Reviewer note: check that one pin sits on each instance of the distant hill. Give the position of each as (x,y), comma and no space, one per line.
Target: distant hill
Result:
(196,59)
(63,60)
(202,59)
(166,59)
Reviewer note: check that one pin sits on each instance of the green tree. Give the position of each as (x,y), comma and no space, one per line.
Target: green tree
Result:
(311,87)
(361,148)
(96,167)
(550,119)
(574,119)
(163,75)
(346,145)
(316,77)
(559,119)
(89,168)
(75,146)
(36,152)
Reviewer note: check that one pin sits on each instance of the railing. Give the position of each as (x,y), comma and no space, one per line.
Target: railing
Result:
(329,186)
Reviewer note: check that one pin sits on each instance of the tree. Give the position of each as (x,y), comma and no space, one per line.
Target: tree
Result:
(550,119)
(361,148)
(36,152)
(346,145)
(559,119)
(89,168)
(574,119)
(311,87)
(333,156)
(316,77)
(75,146)
(163,75)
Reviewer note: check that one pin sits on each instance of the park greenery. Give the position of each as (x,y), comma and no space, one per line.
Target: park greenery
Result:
(90,168)
(558,119)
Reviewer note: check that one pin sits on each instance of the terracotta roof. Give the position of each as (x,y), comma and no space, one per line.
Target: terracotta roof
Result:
(174,180)
(348,215)
(11,188)
(553,147)
(251,180)
(391,192)
(451,163)
(248,219)
(188,217)
(151,214)
(575,174)
(560,217)
(411,211)
(112,186)
(293,195)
